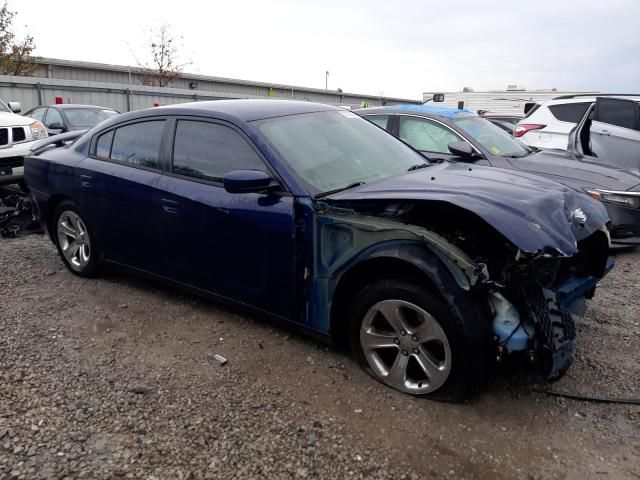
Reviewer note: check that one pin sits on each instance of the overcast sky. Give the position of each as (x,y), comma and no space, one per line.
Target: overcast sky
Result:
(398,48)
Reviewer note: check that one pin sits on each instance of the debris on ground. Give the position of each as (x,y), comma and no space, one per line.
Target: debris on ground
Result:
(16,214)
(219,359)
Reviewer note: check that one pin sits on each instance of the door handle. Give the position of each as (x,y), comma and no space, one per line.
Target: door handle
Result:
(605,133)
(85,180)
(170,206)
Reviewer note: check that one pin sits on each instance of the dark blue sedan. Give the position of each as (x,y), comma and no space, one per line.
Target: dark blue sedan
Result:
(316,218)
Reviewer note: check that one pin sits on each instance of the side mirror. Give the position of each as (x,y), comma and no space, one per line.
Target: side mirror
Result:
(55,126)
(461,149)
(247,181)
(438,97)
(15,107)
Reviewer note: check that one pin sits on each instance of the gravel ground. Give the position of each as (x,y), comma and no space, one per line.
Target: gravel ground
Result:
(116,378)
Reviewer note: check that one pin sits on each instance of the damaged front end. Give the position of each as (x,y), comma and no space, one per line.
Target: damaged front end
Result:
(534,308)
(530,297)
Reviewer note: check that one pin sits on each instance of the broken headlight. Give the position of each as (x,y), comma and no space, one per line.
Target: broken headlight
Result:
(627,199)
(38,131)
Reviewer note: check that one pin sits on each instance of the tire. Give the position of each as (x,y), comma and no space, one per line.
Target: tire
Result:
(75,240)
(396,324)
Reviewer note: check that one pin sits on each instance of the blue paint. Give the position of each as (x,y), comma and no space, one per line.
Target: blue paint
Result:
(448,113)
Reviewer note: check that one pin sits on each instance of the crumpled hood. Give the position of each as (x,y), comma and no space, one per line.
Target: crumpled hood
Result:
(576,172)
(530,211)
(12,120)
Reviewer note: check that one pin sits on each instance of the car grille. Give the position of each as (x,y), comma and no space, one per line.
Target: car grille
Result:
(18,134)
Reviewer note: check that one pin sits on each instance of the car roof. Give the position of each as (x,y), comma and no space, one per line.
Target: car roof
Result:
(448,113)
(248,109)
(65,106)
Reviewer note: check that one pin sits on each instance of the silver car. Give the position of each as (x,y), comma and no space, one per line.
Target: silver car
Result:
(609,132)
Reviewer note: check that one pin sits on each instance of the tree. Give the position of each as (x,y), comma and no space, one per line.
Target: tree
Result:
(164,66)
(15,54)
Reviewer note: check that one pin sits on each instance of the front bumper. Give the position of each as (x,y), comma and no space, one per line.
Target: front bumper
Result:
(625,225)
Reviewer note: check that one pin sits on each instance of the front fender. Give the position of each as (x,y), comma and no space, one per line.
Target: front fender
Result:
(343,243)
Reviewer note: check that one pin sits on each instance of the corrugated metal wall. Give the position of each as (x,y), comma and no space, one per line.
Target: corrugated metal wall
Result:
(119,87)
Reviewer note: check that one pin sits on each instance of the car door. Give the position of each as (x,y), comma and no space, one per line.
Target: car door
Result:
(240,246)
(427,136)
(615,132)
(117,185)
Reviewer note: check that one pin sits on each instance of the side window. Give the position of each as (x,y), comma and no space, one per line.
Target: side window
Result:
(569,112)
(208,151)
(138,143)
(37,114)
(426,136)
(620,113)
(53,116)
(380,120)
(103,145)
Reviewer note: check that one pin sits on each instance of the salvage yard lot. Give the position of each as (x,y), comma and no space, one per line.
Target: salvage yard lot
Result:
(115,378)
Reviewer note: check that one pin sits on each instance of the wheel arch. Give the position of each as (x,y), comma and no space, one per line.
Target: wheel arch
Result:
(50,207)
(416,263)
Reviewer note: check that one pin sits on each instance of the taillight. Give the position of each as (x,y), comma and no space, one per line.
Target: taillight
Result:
(520,130)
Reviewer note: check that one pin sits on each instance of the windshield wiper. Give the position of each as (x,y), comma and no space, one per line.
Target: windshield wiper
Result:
(418,166)
(348,187)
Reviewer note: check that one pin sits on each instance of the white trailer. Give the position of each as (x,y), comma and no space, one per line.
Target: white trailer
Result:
(511,101)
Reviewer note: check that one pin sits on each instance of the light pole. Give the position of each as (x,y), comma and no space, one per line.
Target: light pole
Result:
(326,80)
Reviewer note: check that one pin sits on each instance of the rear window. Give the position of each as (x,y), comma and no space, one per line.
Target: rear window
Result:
(569,112)
(138,144)
(529,108)
(620,113)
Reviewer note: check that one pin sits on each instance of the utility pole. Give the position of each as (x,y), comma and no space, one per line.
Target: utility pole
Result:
(326,80)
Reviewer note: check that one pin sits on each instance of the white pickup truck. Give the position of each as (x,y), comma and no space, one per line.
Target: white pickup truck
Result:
(17,135)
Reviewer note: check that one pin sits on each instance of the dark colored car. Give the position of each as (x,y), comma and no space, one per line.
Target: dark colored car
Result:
(314,217)
(459,135)
(69,117)
(609,132)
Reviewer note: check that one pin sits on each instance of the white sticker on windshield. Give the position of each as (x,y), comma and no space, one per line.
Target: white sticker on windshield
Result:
(348,114)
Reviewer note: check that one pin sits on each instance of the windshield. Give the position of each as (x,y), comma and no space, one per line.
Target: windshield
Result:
(491,137)
(86,118)
(335,149)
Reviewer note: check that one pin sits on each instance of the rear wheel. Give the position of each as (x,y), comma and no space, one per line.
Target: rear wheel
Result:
(76,244)
(407,338)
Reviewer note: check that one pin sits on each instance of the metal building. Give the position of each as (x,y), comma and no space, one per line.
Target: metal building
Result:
(119,87)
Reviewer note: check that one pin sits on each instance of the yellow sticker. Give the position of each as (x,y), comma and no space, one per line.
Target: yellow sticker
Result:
(495,150)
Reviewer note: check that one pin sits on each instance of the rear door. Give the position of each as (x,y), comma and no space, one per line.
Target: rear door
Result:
(118,185)
(240,246)
(615,132)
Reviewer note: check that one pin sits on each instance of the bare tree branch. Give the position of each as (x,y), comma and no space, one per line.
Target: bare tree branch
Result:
(164,67)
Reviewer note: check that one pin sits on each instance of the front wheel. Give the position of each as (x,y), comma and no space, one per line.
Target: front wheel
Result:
(76,243)
(407,338)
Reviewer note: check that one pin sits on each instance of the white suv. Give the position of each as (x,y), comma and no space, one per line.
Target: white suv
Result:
(17,135)
(547,125)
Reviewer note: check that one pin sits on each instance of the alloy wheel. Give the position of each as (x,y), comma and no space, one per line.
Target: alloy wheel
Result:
(74,240)
(405,346)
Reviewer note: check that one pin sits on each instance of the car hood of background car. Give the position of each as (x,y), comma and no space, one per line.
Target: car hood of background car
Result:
(533,213)
(577,173)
